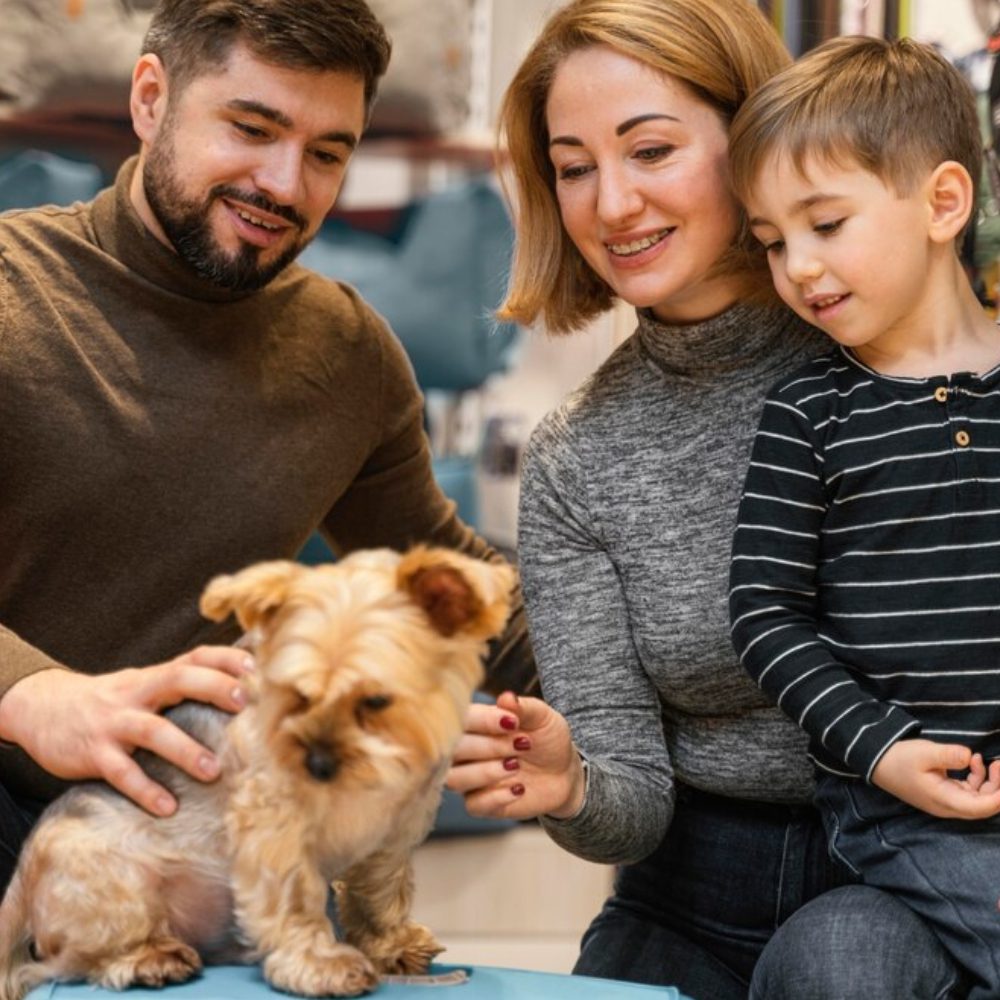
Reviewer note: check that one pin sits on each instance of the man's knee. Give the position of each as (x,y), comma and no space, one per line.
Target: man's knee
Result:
(854,943)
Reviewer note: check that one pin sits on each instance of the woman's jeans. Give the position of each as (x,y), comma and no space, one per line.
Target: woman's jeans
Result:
(946,870)
(742,898)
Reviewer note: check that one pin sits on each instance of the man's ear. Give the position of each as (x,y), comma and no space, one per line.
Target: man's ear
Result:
(148,100)
(951,200)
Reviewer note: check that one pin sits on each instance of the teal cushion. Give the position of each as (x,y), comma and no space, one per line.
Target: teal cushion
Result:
(227,982)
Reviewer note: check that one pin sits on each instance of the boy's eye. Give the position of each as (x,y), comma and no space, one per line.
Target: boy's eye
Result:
(769,245)
(828,228)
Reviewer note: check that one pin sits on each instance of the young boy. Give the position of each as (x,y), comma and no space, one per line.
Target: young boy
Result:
(865,587)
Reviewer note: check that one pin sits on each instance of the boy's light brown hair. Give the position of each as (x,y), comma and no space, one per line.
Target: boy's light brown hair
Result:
(894,108)
(722,50)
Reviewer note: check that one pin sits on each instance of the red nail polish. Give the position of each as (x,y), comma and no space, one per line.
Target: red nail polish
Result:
(517,790)
(508,722)
(511,764)
(522,743)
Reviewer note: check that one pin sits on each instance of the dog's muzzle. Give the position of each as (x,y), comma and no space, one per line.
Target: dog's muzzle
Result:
(320,762)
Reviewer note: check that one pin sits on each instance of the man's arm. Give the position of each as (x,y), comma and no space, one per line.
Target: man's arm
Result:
(395,501)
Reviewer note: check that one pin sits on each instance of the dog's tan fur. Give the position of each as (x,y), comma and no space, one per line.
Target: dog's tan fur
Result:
(332,774)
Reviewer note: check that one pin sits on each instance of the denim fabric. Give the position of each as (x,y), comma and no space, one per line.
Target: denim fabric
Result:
(701,910)
(947,871)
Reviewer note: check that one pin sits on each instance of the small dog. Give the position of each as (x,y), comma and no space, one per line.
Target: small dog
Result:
(332,774)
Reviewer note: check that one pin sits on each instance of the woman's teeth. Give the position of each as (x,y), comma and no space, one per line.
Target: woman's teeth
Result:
(637,246)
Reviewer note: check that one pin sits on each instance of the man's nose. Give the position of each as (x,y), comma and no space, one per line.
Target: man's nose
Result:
(279,175)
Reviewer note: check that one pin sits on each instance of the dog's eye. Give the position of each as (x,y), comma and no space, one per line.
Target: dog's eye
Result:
(375,703)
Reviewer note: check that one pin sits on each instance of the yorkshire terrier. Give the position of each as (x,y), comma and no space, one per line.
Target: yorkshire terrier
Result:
(330,776)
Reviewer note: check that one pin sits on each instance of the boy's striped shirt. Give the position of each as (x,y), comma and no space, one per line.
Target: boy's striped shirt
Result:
(865,583)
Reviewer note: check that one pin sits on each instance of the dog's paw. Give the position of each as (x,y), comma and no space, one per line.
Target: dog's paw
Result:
(338,971)
(155,963)
(407,951)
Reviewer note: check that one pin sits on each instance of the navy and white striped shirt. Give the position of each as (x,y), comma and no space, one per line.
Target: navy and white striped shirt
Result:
(865,582)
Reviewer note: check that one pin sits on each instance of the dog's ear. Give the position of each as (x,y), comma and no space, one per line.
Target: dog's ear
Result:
(253,594)
(458,593)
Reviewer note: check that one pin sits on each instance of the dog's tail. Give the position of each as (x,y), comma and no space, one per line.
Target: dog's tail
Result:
(19,971)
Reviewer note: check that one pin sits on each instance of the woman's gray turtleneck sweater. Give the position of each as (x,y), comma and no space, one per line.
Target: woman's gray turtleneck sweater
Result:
(628,502)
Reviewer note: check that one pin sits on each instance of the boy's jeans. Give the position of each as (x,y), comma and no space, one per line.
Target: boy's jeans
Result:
(946,870)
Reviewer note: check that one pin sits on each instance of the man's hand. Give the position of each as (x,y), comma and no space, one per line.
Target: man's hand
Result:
(916,771)
(77,726)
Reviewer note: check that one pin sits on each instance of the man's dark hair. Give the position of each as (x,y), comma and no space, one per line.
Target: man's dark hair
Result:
(192,37)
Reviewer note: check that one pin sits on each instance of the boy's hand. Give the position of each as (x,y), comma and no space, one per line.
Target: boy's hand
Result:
(916,771)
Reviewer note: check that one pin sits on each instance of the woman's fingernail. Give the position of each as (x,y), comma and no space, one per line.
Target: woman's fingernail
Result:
(511,764)
(248,664)
(522,743)
(508,722)
(239,696)
(165,805)
(517,790)
(208,765)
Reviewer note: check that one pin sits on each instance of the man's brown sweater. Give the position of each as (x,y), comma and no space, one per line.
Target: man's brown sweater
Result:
(156,430)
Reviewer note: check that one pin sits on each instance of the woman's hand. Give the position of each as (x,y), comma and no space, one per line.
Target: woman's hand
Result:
(516,760)
(78,726)
(916,771)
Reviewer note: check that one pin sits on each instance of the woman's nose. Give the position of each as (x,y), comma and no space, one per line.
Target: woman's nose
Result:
(618,198)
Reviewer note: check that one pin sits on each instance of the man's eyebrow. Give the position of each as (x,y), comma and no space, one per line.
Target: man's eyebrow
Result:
(346,138)
(625,126)
(804,204)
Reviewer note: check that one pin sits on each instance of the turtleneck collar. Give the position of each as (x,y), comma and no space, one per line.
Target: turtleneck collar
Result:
(121,233)
(744,342)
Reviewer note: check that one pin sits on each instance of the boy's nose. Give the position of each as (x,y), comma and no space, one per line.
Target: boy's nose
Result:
(802,267)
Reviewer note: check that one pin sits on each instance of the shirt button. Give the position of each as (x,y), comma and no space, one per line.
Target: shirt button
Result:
(941,394)
(962,439)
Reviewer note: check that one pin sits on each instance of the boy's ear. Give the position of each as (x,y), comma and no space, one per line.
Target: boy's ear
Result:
(950,195)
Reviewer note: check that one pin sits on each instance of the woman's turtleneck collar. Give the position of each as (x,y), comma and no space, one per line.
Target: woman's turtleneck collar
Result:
(121,233)
(743,342)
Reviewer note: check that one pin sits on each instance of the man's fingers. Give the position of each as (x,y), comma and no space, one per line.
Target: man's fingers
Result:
(123,773)
(160,736)
(171,683)
(228,659)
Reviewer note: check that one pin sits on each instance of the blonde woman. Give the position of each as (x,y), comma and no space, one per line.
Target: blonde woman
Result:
(653,750)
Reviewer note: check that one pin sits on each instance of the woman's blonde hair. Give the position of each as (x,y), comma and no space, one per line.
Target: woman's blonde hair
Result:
(721,49)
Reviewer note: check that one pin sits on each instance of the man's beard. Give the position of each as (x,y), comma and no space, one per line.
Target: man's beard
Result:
(186,224)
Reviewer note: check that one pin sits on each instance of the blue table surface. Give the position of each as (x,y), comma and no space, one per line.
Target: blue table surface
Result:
(483,983)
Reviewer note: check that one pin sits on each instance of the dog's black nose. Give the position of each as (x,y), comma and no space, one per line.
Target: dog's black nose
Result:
(320,762)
